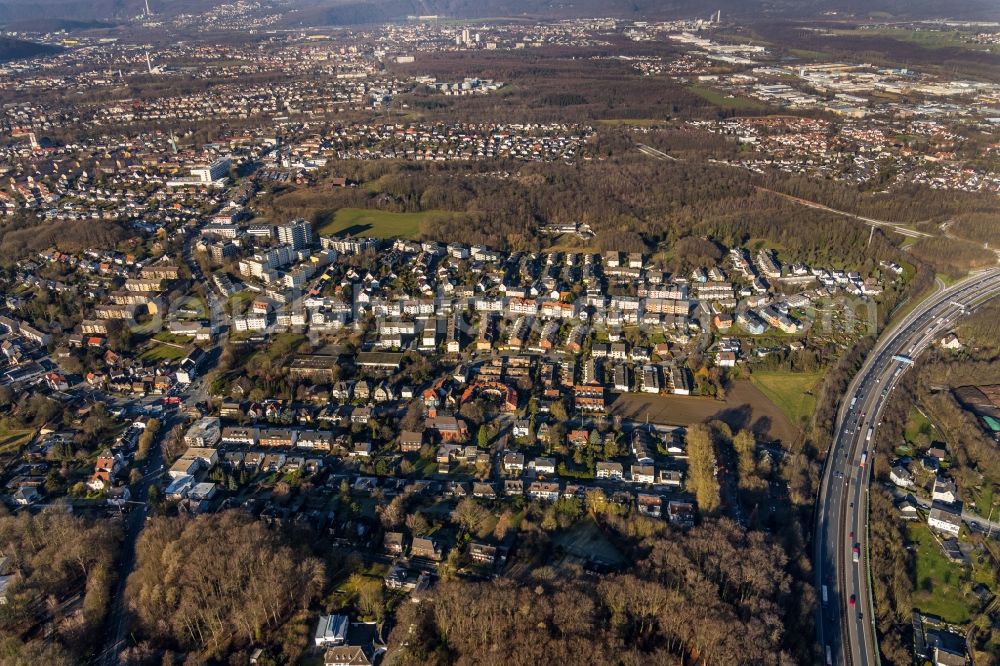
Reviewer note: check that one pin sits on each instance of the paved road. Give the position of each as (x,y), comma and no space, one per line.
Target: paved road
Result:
(847,632)
(117,624)
(117,621)
(973,520)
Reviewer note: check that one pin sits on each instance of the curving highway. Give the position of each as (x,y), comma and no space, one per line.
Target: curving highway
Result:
(845,622)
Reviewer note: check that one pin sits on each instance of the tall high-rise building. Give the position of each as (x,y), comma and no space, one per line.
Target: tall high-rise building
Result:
(215,171)
(297,233)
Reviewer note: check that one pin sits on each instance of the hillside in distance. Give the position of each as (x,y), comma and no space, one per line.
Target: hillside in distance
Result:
(15,49)
(15,13)
(348,12)
(48,24)
(355,11)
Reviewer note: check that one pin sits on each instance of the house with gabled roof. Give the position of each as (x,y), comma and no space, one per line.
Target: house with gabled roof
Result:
(426,547)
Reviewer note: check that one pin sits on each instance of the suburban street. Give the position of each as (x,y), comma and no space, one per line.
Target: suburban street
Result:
(846,630)
(380,333)
(975,522)
(152,469)
(135,519)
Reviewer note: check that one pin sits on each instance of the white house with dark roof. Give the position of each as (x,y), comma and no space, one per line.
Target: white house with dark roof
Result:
(945,519)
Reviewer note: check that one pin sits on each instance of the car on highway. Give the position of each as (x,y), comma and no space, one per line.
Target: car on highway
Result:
(853,601)
(857,553)
(852,535)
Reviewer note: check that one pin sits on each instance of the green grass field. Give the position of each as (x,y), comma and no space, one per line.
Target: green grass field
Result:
(635,122)
(163,352)
(928,39)
(757,243)
(917,423)
(724,100)
(572,246)
(375,223)
(939,581)
(167,336)
(12,440)
(984,498)
(792,392)
(809,54)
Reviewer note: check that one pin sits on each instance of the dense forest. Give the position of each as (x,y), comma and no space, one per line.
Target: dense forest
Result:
(911,204)
(977,227)
(62,569)
(974,453)
(972,465)
(981,331)
(632,203)
(880,49)
(893,571)
(952,256)
(719,595)
(22,236)
(211,588)
(563,84)
(14,49)
(635,203)
(215,584)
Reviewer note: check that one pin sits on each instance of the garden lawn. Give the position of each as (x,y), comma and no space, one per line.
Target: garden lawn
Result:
(939,582)
(916,423)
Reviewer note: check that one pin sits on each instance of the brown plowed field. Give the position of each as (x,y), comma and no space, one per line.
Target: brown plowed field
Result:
(744,406)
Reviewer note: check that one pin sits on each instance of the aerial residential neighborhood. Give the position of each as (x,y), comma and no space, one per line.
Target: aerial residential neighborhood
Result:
(358,334)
